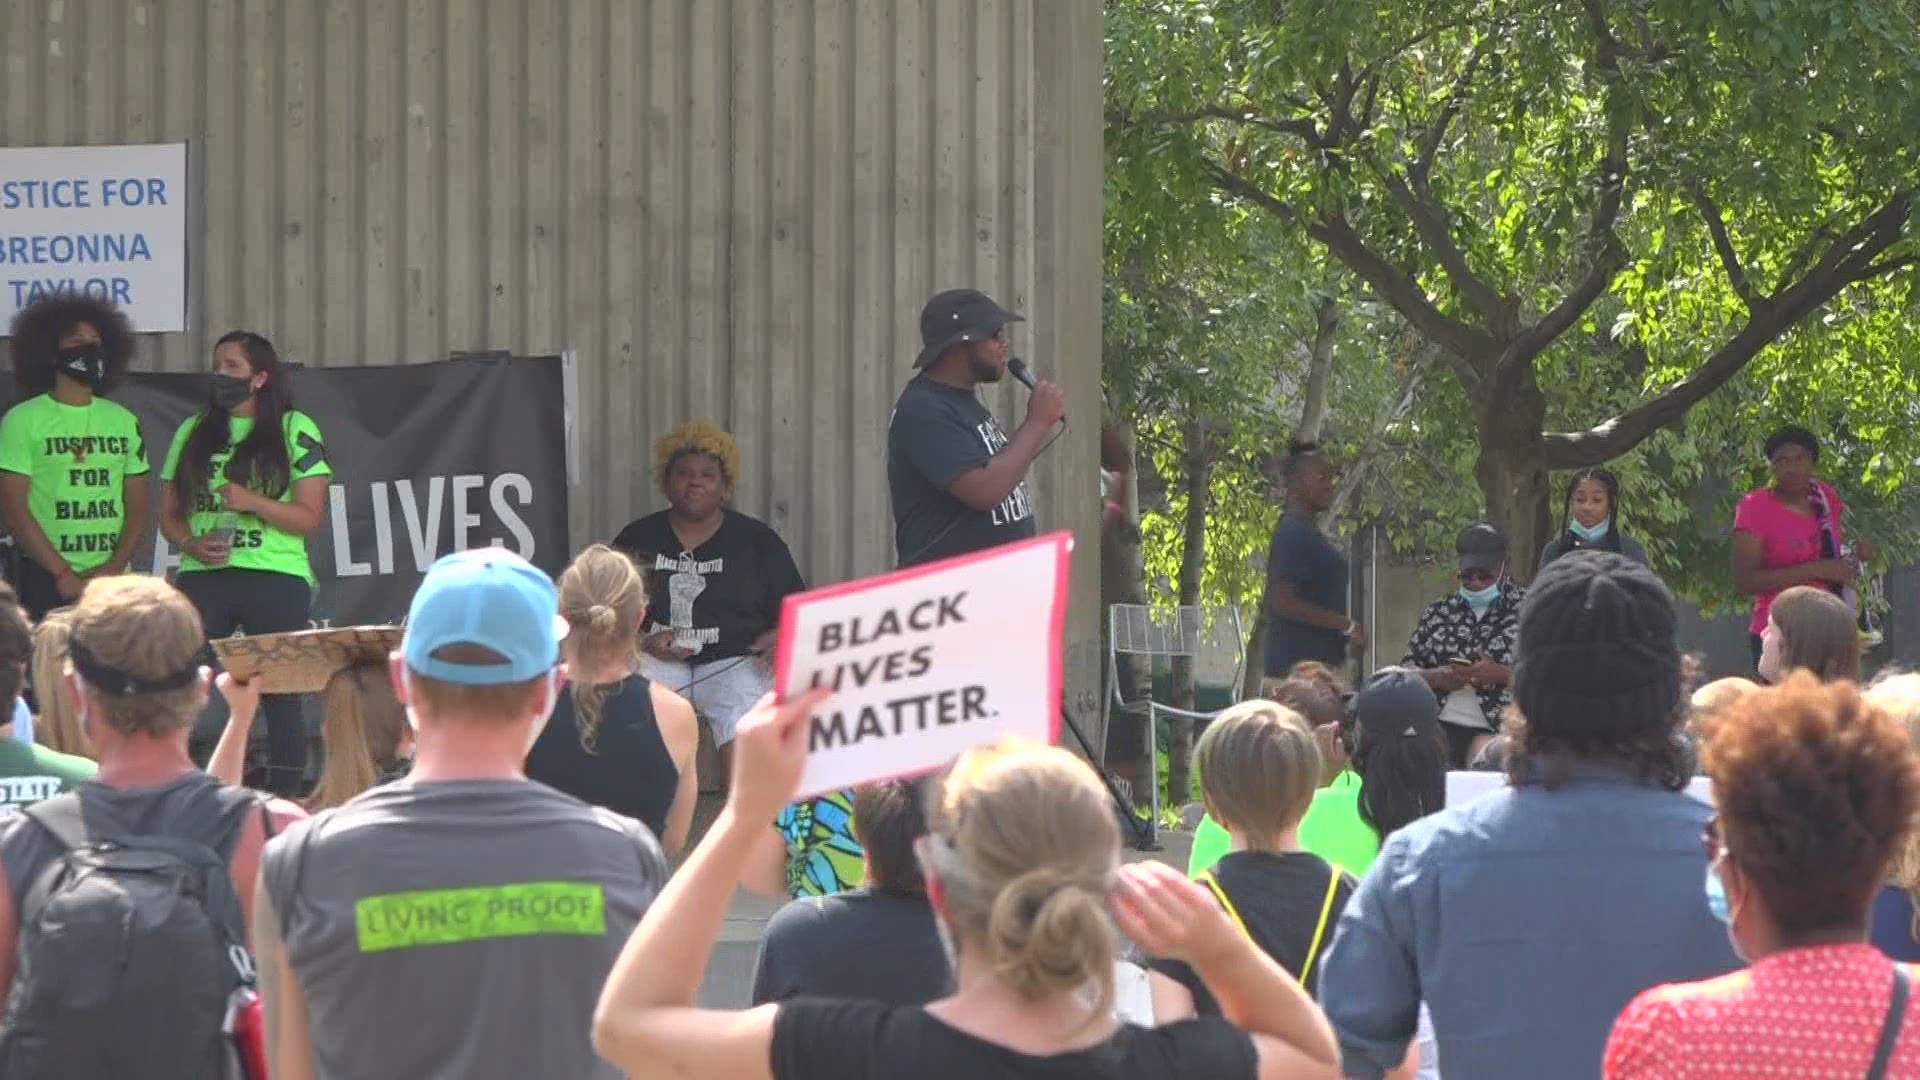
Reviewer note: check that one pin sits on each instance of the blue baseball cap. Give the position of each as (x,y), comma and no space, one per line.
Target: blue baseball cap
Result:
(488,597)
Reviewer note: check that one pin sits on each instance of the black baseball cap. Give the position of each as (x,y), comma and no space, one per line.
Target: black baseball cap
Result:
(958,315)
(1481,547)
(1396,703)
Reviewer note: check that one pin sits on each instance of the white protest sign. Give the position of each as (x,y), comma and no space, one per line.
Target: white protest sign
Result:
(1464,787)
(928,661)
(103,221)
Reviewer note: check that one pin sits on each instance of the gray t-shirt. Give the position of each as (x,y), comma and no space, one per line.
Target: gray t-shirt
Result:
(459,929)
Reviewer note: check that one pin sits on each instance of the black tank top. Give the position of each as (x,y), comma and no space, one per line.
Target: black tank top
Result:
(629,770)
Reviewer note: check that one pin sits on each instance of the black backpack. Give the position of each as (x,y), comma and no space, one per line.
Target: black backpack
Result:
(132,957)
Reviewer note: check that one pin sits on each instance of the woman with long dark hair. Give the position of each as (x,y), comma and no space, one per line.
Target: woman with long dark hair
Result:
(73,468)
(246,482)
(1590,518)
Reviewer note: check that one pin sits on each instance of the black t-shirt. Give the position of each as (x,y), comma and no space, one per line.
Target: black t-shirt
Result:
(1300,556)
(824,946)
(937,434)
(1279,897)
(720,596)
(865,1040)
(629,770)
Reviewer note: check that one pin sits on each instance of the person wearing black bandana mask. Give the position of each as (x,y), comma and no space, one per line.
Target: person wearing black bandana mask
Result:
(73,489)
(246,481)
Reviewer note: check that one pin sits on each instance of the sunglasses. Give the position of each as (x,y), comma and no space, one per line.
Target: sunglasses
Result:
(1468,577)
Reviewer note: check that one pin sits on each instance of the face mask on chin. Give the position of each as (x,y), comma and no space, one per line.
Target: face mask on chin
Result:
(1591,534)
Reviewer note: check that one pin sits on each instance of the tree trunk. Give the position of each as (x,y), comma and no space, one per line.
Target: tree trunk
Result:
(1197,463)
(1123,580)
(1512,471)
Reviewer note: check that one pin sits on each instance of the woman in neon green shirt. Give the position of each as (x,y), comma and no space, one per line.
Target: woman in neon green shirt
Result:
(246,481)
(73,469)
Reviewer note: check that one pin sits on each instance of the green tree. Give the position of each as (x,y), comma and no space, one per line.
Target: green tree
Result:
(1601,212)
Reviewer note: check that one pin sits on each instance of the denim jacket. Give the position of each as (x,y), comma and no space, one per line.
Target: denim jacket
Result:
(1526,920)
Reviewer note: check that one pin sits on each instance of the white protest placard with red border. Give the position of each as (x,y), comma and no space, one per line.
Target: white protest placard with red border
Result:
(927,661)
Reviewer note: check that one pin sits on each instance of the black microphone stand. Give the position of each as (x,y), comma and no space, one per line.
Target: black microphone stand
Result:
(1146,833)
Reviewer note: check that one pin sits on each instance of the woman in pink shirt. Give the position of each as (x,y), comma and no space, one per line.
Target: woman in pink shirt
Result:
(1816,790)
(1789,533)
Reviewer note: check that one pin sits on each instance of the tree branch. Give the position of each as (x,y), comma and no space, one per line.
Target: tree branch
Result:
(1436,132)
(1430,221)
(1301,128)
(1468,347)
(1604,248)
(1848,261)
(1888,266)
(1723,243)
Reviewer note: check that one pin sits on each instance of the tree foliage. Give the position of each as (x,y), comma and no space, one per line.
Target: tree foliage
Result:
(1604,213)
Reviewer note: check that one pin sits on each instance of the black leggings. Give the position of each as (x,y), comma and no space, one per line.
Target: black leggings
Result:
(260,602)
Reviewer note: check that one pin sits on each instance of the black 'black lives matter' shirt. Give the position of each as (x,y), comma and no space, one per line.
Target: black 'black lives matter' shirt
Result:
(937,434)
(720,596)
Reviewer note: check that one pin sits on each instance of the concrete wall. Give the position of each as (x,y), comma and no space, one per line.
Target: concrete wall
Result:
(728,209)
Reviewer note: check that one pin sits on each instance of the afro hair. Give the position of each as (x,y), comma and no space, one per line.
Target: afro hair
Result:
(38,328)
(695,437)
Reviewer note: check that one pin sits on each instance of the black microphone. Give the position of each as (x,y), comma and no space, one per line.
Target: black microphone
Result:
(1017,368)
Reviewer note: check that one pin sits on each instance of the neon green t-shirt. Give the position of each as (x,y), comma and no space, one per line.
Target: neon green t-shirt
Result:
(256,544)
(76,459)
(1332,829)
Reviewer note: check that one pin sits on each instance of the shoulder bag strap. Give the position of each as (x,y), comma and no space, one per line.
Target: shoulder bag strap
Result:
(1213,885)
(1890,1027)
(1320,928)
(62,816)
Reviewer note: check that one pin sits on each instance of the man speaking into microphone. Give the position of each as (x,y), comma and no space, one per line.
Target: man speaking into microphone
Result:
(958,482)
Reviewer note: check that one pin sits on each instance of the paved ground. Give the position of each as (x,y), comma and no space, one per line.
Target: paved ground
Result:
(729,978)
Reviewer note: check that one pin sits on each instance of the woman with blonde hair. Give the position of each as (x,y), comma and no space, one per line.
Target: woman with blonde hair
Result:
(617,739)
(1022,865)
(716,578)
(1810,629)
(58,725)
(362,726)
(1896,907)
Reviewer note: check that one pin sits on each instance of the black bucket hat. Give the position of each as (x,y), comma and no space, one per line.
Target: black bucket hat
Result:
(958,315)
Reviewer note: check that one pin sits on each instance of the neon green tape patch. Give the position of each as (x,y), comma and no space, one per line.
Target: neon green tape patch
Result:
(478,913)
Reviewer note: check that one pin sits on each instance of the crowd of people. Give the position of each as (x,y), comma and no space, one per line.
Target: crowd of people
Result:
(477,883)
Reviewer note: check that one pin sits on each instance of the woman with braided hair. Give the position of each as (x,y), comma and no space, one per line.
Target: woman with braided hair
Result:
(715,580)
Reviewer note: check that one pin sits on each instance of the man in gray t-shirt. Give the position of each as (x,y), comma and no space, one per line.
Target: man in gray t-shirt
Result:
(460,922)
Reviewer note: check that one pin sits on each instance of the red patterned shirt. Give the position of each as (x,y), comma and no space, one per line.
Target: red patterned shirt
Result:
(1805,1013)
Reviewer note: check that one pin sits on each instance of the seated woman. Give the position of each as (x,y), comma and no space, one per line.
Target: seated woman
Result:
(617,739)
(716,578)
(1811,630)
(364,732)
(1023,870)
(1791,532)
(1816,792)
(1591,519)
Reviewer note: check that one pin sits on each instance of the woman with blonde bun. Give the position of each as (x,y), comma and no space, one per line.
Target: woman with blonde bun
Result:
(1022,868)
(616,738)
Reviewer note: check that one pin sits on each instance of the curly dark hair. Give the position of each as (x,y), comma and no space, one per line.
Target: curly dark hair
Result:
(1816,790)
(38,328)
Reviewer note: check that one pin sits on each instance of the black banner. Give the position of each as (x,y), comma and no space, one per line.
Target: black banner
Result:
(427,459)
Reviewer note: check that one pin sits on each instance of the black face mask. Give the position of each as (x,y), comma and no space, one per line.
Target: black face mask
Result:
(84,364)
(230,391)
